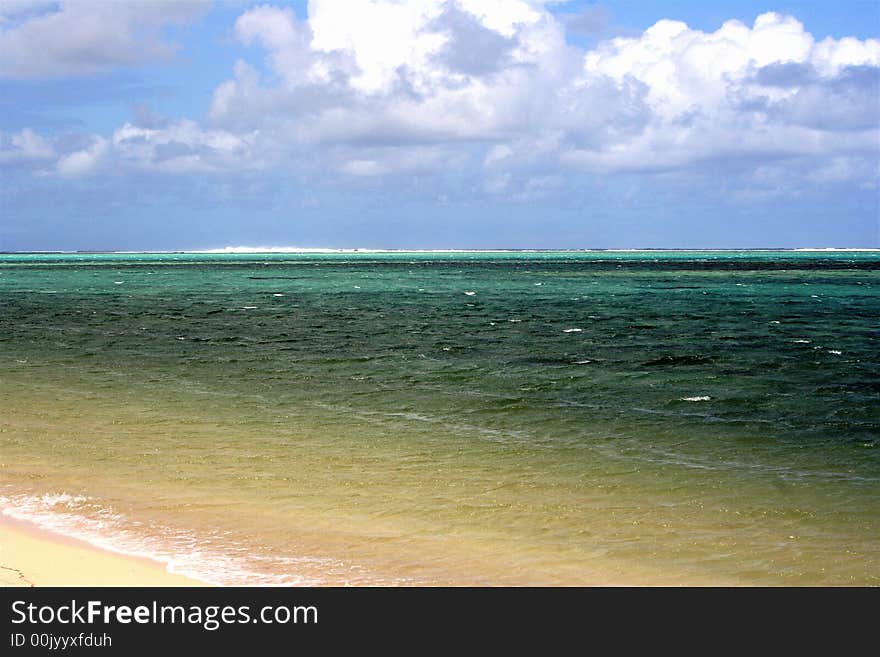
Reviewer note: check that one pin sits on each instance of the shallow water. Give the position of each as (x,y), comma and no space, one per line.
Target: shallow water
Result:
(465,418)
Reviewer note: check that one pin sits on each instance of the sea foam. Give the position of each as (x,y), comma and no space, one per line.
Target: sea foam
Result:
(182,552)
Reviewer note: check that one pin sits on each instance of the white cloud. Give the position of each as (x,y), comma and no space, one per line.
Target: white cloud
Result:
(365,89)
(182,146)
(711,95)
(381,65)
(25,146)
(380,36)
(403,74)
(75,37)
(688,69)
(84,161)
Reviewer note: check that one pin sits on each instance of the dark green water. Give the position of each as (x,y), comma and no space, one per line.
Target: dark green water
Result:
(601,417)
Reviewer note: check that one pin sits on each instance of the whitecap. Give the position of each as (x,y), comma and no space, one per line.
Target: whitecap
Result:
(572,330)
(470,294)
(54,499)
(695,399)
(802,341)
(834,248)
(835,352)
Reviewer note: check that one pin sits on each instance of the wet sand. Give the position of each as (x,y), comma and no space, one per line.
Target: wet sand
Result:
(31,556)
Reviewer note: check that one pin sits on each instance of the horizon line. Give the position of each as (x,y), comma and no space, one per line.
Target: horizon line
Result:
(233,250)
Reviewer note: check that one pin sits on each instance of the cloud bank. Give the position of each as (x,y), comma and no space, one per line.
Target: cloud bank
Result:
(493,90)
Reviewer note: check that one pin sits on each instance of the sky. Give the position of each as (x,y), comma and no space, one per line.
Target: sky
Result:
(190,124)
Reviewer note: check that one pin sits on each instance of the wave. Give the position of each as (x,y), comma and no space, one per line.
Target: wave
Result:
(182,552)
(834,248)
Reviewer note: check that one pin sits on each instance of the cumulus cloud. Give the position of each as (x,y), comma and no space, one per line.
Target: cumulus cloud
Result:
(799,94)
(370,88)
(765,91)
(75,37)
(69,155)
(182,146)
(436,72)
(84,161)
(398,76)
(470,47)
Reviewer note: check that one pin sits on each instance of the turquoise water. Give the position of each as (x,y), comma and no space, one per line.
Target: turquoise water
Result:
(509,417)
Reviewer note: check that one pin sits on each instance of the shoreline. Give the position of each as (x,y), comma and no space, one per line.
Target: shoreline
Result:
(32,556)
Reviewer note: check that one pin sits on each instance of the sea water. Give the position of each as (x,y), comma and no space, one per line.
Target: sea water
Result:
(490,418)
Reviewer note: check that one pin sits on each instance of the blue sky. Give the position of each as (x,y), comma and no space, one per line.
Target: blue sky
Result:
(438,124)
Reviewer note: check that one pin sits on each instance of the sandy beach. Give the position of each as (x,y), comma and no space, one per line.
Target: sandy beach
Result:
(31,556)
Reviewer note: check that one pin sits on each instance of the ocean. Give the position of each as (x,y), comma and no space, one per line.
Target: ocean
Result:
(463,418)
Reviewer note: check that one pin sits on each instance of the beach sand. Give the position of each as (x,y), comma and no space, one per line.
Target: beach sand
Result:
(31,556)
